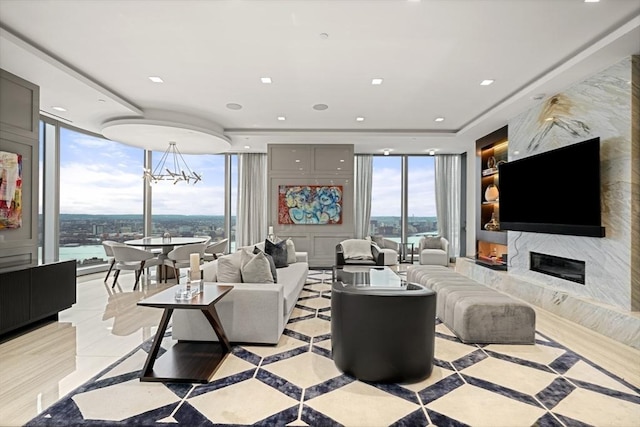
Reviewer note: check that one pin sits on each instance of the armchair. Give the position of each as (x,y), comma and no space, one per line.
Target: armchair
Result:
(358,252)
(434,251)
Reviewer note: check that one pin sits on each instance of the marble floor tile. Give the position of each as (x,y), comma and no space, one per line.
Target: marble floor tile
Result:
(305,370)
(514,376)
(599,410)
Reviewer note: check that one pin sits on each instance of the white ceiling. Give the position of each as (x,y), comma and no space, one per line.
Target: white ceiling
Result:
(94,59)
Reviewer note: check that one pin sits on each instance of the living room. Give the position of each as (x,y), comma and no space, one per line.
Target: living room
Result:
(572,105)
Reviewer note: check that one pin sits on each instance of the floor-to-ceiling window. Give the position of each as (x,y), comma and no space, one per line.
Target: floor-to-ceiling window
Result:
(386,197)
(101,195)
(188,209)
(421,198)
(389,196)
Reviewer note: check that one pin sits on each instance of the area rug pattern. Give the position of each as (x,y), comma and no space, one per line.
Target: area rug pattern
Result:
(296,383)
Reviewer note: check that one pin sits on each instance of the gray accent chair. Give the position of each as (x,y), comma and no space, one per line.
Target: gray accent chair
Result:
(434,251)
(378,257)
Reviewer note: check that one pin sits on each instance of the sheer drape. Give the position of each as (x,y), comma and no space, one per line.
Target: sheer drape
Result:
(362,194)
(251,224)
(448,188)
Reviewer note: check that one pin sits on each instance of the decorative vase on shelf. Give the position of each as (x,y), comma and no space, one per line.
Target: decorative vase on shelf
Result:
(491,194)
(493,224)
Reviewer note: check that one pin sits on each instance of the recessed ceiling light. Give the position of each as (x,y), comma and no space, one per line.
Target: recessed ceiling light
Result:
(486,82)
(339,169)
(59,108)
(246,147)
(591,1)
(265,80)
(320,107)
(297,160)
(376,81)
(432,152)
(341,160)
(359,119)
(385,152)
(439,119)
(234,106)
(282,118)
(156,79)
(324,36)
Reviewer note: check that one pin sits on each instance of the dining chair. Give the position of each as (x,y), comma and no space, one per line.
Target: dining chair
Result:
(180,257)
(108,250)
(132,258)
(215,250)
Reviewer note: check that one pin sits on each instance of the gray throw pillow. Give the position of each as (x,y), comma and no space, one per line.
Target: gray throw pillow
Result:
(432,242)
(278,251)
(255,268)
(272,264)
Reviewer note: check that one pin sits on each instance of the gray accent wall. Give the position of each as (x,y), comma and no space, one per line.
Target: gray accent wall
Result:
(19,119)
(306,164)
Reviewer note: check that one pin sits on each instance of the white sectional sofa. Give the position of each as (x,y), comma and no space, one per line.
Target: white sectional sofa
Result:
(251,312)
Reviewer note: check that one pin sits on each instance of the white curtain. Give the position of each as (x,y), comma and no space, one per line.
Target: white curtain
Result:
(448,188)
(362,194)
(251,224)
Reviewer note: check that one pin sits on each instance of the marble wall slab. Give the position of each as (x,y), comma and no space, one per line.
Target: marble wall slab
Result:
(600,106)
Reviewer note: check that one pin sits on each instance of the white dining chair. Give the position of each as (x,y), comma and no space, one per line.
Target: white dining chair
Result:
(132,258)
(180,257)
(108,250)
(215,250)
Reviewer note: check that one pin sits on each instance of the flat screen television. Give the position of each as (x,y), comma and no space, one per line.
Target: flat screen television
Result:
(556,192)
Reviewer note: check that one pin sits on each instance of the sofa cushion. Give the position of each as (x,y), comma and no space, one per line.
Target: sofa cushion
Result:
(229,268)
(254,268)
(272,264)
(291,251)
(278,251)
(432,242)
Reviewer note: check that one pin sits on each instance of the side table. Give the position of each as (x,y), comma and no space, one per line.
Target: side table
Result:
(404,251)
(186,361)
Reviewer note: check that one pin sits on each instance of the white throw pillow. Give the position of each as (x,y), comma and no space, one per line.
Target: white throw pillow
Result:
(356,249)
(255,268)
(291,252)
(229,268)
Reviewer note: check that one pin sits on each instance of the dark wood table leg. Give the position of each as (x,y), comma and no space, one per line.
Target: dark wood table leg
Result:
(153,352)
(212,316)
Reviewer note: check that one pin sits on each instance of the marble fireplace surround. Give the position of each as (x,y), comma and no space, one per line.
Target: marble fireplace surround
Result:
(605,105)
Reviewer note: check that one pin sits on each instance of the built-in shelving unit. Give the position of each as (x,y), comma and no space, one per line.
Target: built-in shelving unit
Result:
(491,242)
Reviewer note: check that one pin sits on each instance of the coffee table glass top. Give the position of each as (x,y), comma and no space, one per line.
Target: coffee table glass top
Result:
(372,277)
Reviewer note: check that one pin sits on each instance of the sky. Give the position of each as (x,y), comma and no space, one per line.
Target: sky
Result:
(98,176)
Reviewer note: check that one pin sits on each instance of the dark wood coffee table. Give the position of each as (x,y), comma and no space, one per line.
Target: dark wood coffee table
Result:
(186,361)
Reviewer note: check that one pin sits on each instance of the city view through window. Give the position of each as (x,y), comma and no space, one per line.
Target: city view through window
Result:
(101,198)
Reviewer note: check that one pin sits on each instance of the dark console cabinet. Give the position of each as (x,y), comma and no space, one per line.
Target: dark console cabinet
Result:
(35,293)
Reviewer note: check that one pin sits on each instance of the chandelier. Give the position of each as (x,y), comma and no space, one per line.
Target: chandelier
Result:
(180,171)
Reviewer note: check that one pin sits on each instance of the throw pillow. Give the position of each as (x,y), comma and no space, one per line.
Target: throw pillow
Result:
(229,268)
(255,268)
(356,249)
(291,251)
(432,242)
(278,251)
(272,264)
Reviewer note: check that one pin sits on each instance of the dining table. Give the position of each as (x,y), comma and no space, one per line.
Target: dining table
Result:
(166,244)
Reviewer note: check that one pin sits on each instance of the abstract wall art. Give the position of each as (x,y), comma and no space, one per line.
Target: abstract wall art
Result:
(10,190)
(310,204)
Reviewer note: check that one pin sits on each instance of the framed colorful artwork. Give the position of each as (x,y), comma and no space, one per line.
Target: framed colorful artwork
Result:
(10,190)
(310,204)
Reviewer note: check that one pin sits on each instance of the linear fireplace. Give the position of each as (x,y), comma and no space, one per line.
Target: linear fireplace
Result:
(564,268)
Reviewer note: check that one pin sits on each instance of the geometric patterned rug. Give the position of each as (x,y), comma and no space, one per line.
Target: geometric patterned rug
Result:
(296,383)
